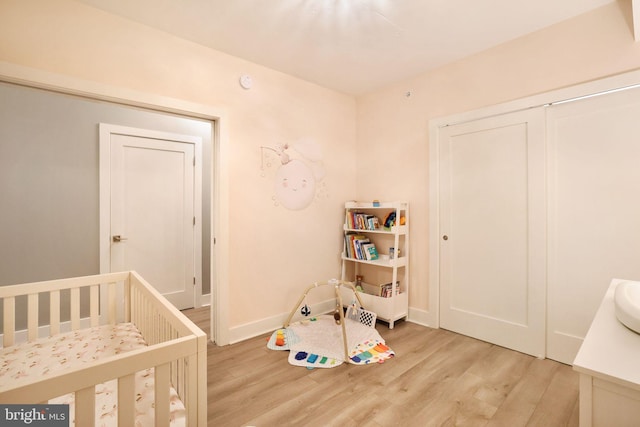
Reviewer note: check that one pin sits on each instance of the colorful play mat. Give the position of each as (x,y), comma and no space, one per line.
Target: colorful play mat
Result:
(317,342)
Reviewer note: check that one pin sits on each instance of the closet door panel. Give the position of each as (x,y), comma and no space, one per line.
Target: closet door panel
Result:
(492,271)
(594,210)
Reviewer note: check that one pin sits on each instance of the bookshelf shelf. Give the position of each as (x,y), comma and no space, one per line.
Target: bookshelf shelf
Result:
(399,229)
(385,269)
(382,262)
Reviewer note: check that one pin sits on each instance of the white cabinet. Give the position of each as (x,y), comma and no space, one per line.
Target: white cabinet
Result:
(383,271)
(608,365)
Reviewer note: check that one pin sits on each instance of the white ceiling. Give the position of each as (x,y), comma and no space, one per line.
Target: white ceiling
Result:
(353,46)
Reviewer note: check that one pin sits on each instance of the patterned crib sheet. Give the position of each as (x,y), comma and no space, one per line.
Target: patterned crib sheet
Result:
(47,355)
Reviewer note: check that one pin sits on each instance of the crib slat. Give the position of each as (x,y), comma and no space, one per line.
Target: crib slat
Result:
(9,319)
(94,304)
(190,395)
(126,400)
(135,310)
(111,301)
(85,407)
(127,301)
(75,308)
(175,377)
(32,316)
(54,312)
(162,395)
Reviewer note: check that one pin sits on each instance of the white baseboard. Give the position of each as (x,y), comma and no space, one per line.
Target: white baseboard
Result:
(563,347)
(205,300)
(270,324)
(422,317)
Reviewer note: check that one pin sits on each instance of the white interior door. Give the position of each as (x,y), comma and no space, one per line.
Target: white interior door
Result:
(153,207)
(594,210)
(492,230)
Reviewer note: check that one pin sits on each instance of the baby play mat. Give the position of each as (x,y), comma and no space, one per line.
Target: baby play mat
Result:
(317,343)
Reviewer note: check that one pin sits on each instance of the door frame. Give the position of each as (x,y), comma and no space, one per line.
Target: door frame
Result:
(219,261)
(104,141)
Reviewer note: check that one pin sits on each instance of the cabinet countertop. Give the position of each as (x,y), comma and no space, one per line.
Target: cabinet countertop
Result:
(610,350)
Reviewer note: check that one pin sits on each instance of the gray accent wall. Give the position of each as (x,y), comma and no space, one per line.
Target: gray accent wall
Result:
(49,185)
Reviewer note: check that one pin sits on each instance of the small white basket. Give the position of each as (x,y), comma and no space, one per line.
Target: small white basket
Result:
(366,317)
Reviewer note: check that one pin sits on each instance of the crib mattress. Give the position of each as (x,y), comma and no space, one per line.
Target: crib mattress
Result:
(44,356)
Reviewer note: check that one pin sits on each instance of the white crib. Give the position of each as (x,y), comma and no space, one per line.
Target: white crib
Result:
(173,347)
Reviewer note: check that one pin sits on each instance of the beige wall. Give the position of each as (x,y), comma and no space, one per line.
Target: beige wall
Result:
(274,253)
(393,127)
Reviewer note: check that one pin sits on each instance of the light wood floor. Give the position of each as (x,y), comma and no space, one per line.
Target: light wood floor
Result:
(438,378)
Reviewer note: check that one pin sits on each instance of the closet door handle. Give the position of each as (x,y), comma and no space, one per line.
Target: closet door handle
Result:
(118,238)
(445,237)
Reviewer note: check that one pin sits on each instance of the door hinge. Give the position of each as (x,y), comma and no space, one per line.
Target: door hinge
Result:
(194,220)
(194,161)
(194,281)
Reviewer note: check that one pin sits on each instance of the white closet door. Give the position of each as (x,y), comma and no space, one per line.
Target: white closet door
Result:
(594,210)
(492,230)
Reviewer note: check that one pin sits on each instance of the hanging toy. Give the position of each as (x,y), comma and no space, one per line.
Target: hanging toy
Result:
(305,310)
(336,314)
(336,317)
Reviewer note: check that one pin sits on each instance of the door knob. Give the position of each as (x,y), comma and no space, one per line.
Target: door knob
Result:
(118,238)
(445,237)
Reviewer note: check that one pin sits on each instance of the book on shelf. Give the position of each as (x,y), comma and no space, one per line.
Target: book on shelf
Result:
(383,290)
(357,254)
(370,251)
(386,290)
(359,246)
(359,243)
(352,244)
(362,221)
(372,222)
(347,245)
